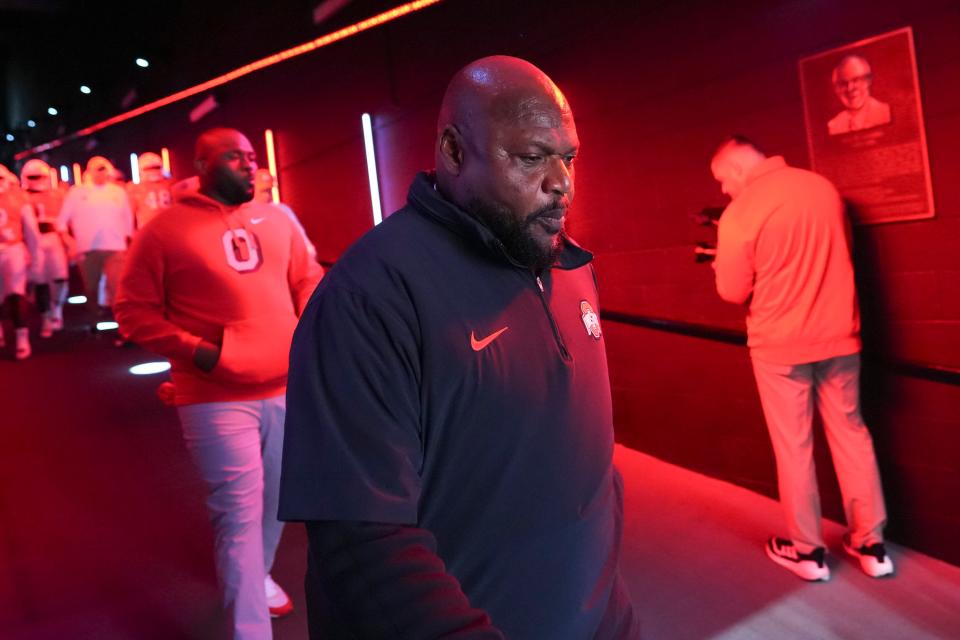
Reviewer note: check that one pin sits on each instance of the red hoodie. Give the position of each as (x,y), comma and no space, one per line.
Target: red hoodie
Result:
(238,277)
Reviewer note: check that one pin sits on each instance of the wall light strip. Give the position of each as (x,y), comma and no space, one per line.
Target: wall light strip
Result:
(272,165)
(307,47)
(77,174)
(371,167)
(165,159)
(134,169)
(64,173)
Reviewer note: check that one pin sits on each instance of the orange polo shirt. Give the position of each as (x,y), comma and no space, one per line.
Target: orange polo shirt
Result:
(783,248)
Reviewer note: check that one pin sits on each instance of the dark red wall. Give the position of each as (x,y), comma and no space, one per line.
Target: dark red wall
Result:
(654,87)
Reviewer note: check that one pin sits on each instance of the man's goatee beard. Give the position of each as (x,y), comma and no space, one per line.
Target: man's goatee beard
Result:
(516,235)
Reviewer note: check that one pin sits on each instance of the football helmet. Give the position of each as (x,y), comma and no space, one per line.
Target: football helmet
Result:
(35,175)
(151,167)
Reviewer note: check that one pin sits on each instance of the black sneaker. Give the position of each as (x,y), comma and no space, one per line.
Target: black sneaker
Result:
(873,558)
(809,566)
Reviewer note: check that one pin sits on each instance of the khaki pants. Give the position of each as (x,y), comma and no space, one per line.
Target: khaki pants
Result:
(788,394)
(97,263)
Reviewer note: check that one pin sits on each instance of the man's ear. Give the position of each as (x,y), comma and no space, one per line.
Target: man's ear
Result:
(200,164)
(451,150)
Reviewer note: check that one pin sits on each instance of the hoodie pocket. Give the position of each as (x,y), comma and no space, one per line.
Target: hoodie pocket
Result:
(255,351)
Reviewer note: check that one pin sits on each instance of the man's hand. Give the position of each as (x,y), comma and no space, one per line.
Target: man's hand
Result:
(206,355)
(167,393)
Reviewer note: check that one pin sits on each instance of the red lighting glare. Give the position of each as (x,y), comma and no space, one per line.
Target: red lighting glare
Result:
(307,47)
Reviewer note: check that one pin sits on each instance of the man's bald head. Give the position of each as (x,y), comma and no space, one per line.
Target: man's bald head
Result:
(852,81)
(505,146)
(213,141)
(732,162)
(501,89)
(852,64)
(225,163)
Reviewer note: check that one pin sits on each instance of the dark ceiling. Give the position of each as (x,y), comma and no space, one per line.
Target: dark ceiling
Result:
(48,48)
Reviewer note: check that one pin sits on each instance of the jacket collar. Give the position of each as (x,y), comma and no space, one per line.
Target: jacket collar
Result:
(426,199)
(768,165)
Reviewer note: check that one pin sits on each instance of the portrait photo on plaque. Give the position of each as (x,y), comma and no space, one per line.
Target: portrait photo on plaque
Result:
(865,129)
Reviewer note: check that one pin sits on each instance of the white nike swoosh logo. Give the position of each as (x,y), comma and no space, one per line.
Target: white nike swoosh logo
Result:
(256,220)
(479,345)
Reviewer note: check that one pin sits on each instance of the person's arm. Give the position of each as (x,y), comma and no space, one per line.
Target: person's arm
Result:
(386,581)
(734,264)
(66,214)
(139,309)
(127,215)
(134,201)
(31,238)
(303,273)
(311,249)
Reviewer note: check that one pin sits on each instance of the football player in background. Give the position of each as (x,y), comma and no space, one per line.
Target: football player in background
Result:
(98,212)
(51,290)
(153,193)
(19,250)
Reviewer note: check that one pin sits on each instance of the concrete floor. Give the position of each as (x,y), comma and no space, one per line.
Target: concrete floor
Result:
(693,557)
(103,533)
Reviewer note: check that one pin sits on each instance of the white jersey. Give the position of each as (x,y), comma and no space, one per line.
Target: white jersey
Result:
(100,217)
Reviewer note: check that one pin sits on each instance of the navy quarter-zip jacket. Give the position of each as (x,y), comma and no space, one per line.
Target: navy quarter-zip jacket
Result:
(449,439)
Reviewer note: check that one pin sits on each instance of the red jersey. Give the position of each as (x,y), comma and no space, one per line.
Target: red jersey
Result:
(148,198)
(11,216)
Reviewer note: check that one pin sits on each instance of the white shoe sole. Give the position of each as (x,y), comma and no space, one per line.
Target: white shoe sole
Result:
(869,564)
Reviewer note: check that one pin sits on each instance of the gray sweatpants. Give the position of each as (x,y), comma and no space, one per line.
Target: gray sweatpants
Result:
(237,448)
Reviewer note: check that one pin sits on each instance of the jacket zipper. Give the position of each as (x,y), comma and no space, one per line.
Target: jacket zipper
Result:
(553,322)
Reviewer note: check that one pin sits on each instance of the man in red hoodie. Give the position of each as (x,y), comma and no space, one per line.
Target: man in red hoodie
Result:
(783,250)
(217,288)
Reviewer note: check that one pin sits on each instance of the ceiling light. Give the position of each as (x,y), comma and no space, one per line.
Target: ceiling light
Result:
(31,123)
(52,111)
(84,89)
(142,62)
(9,137)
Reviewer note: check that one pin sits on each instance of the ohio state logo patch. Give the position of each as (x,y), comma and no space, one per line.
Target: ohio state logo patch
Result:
(591,321)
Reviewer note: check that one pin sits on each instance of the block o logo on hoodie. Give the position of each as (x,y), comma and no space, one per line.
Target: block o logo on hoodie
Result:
(242,249)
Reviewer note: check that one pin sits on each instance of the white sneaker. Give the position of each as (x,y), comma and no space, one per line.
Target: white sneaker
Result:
(46,327)
(873,558)
(809,566)
(277,599)
(22,350)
